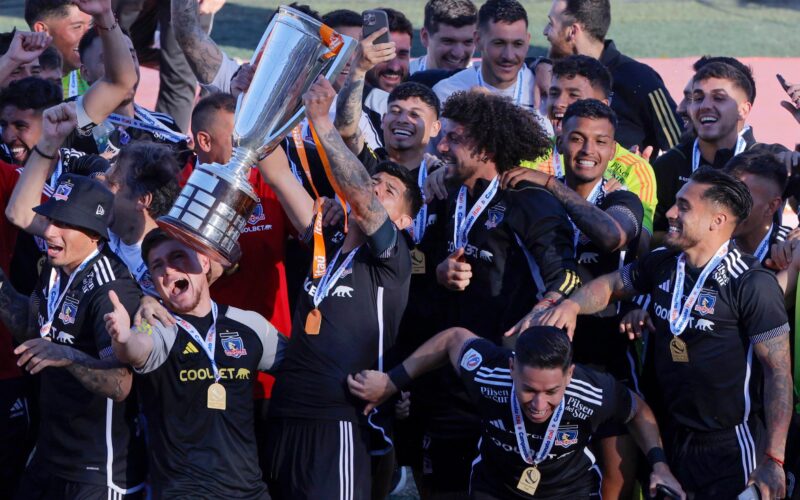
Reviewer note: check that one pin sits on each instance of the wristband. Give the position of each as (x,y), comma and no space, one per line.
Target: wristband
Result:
(770,457)
(549,180)
(656,455)
(399,377)
(41,153)
(110,28)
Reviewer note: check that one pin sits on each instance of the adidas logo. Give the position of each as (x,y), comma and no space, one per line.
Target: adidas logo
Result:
(17,409)
(664,286)
(190,349)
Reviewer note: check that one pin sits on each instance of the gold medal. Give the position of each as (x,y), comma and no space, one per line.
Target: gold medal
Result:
(529,480)
(677,347)
(417,262)
(313,322)
(216,396)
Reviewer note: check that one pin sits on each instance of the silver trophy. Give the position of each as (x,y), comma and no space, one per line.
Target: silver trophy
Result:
(213,207)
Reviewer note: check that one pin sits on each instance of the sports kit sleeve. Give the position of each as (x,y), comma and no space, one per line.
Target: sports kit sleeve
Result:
(761,307)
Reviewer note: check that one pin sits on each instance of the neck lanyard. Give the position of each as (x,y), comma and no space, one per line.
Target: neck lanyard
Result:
(418,229)
(679,318)
(147,123)
(522,439)
(763,247)
(209,345)
(741,144)
(463,220)
(423,63)
(73,84)
(517,85)
(330,278)
(558,168)
(54,293)
(53,183)
(594,198)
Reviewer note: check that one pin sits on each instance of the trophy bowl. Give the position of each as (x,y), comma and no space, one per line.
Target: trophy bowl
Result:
(212,209)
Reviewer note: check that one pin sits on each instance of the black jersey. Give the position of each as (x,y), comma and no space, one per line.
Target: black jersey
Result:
(195,450)
(740,304)
(646,111)
(590,399)
(360,319)
(83,436)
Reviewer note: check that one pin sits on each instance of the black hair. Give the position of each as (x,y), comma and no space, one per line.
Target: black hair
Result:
(505,132)
(726,190)
(587,67)
(725,71)
(413,194)
(151,168)
(90,36)
(398,22)
(206,109)
(343,18)
(456,13)
(760,163)
(50,58)
(590,108)
(37,10)
(544,347)
(89,165)
(501,11)
(407,90)
(151,240)
(594,15)
(746,70)
(31,93)
(305,9)
(5,40)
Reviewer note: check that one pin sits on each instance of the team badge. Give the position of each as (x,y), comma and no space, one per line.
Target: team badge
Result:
(232,344)
(69,310)
(471,360)
(705,303)
(257,215)
(62,191)
(567,436)
(494,216)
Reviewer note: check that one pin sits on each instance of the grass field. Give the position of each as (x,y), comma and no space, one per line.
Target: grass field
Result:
(641,28)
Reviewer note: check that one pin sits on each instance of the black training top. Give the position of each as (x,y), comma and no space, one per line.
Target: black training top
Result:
(195,450)
(740,305)
(590,399)
(85,437)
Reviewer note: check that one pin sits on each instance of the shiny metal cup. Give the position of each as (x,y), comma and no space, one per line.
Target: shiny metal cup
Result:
(213,207)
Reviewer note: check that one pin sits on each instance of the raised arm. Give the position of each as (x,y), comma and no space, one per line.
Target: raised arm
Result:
(16,311)
(294,199)
(57,123)
(106,94)
(349,103)
(347,170)
(25,48)
(202,53)
(375,387)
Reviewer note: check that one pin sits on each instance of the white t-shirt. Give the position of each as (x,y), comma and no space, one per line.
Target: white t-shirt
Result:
(521,93)
(421,64)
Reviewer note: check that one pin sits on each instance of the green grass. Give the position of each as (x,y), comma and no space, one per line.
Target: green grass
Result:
(641,28)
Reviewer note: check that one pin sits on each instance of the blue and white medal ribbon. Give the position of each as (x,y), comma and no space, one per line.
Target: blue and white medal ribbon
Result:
(517,85)
(679,317)
(763,247)
(740,147)
(463,221)
(418,230)
(331,277)
(209,345)
(522,438)
(55,295)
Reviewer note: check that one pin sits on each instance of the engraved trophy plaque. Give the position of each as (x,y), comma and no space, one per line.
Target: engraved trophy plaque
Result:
(213,207)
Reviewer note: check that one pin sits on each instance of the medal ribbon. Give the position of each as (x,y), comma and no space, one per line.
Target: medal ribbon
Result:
(740,146)
(418,230)
(679,318)
(548,439)
(517,85)
(318,263)
(156,127)
(73,84)
(330,279)
(209,345)
(327,166)
(558,168)
(593,199)
(463,220)
(54,293)
(763,247)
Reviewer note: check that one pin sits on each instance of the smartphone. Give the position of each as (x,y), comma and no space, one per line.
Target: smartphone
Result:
(751,493)
(374,20)
(666,493)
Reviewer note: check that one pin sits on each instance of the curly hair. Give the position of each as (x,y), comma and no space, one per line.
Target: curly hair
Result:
(506,133)
(31,93)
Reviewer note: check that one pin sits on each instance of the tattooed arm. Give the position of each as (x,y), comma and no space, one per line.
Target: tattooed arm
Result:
(348,172)
(106,377)
(202,53)
(349,105)
(16,311)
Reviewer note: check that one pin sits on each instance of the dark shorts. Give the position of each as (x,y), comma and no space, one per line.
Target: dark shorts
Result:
(317,459)
(447,463)
(37,484)
(16,433)
(483,488)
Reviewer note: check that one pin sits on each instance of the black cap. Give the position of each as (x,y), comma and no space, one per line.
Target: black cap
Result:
(81,202)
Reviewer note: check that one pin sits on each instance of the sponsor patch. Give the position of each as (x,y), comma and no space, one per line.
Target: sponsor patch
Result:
(705,303)
(471,360)
(233,345)
(567,436)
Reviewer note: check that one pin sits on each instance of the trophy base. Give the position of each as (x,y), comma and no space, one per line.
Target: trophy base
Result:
(211,212)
